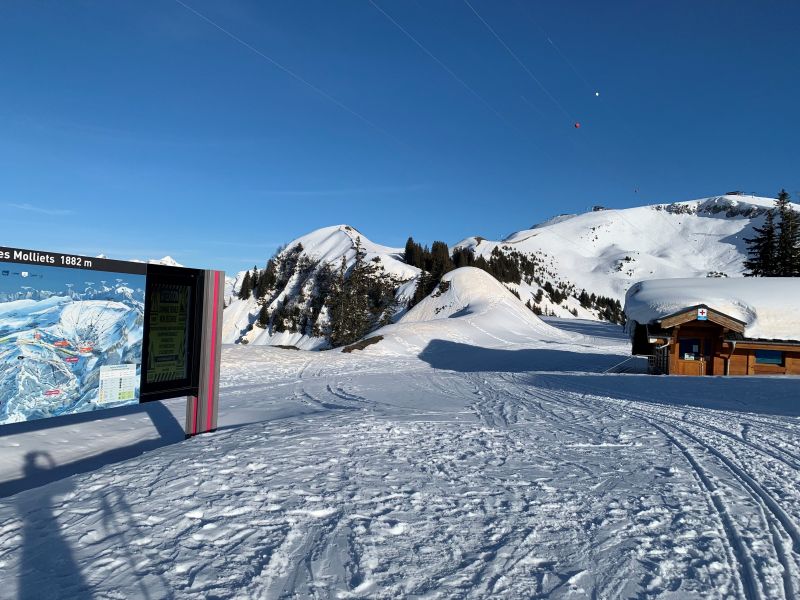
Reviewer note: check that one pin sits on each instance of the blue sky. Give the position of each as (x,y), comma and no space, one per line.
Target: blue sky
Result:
(140,128)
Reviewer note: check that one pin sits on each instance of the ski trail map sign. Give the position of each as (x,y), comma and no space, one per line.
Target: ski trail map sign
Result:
(71,331)
(79,334)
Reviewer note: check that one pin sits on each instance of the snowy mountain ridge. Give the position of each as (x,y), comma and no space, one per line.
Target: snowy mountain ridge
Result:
(568,262)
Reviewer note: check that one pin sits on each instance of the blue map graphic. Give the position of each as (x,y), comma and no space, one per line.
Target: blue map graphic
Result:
(58,327)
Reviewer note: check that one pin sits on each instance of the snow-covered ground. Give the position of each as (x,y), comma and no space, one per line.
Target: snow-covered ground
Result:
(488,462)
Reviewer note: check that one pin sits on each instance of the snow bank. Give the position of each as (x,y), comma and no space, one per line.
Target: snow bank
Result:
(770,306)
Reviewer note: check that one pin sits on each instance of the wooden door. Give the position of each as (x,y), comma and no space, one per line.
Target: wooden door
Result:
(691,367)
(691,355)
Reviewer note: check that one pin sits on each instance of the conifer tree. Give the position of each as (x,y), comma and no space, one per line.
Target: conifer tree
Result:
(246,288)
(254,280)
(263,317)
(787,254)
(270,274)
(762,249)
(413,254)
(336,306)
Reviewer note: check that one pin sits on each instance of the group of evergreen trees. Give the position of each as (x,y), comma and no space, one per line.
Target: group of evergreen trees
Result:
(511,267)
(359,300)
(775,249)
(608,309)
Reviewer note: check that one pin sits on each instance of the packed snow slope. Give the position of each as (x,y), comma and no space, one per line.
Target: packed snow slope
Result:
(504,471)
(768,305)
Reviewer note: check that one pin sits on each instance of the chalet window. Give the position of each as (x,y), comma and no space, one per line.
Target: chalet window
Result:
(689,349)
(769,357)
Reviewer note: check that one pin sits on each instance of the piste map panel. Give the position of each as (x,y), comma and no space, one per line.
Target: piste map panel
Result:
(71,330)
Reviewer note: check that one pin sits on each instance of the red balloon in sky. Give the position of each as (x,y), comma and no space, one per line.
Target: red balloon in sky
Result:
(577,125)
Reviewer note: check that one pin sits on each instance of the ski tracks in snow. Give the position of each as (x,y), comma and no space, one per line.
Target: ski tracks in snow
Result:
(746,466)
(395,480)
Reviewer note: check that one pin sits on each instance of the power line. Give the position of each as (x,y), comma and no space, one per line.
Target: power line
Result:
(519,61)
(289,72)
(450,71)
(557,49)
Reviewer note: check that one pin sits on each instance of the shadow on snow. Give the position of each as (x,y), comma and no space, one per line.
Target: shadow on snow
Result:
(465,358)
(764,395)
(169,430)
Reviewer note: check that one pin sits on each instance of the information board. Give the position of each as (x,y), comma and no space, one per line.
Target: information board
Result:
(79,334)
(169,332)
(71,331)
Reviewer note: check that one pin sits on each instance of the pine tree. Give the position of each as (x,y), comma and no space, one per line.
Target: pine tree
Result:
(441,262)
(246,288)
(787,253)
(336,306)
(278,318)
(254,280)
(413,253)
(762,249)
(263,317)
(358,313)
(270,274)
(775,249)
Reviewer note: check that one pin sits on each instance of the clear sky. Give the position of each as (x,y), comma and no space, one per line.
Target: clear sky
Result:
(214,131)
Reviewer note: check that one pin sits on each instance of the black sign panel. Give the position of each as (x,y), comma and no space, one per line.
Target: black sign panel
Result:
(173,315)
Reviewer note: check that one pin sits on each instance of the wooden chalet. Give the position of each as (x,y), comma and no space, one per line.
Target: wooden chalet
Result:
(701,339)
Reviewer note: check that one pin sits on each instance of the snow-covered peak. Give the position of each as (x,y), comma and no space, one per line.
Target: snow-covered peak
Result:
(606,251)
(167,260)
(330,244)
(736,204)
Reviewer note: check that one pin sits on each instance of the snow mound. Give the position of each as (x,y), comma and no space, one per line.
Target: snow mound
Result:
(768,305)
(469,307)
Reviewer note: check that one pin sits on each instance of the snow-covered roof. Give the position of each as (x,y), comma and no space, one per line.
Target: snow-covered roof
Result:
(769,306)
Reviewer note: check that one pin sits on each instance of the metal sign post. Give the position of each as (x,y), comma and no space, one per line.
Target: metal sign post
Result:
(201,409)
